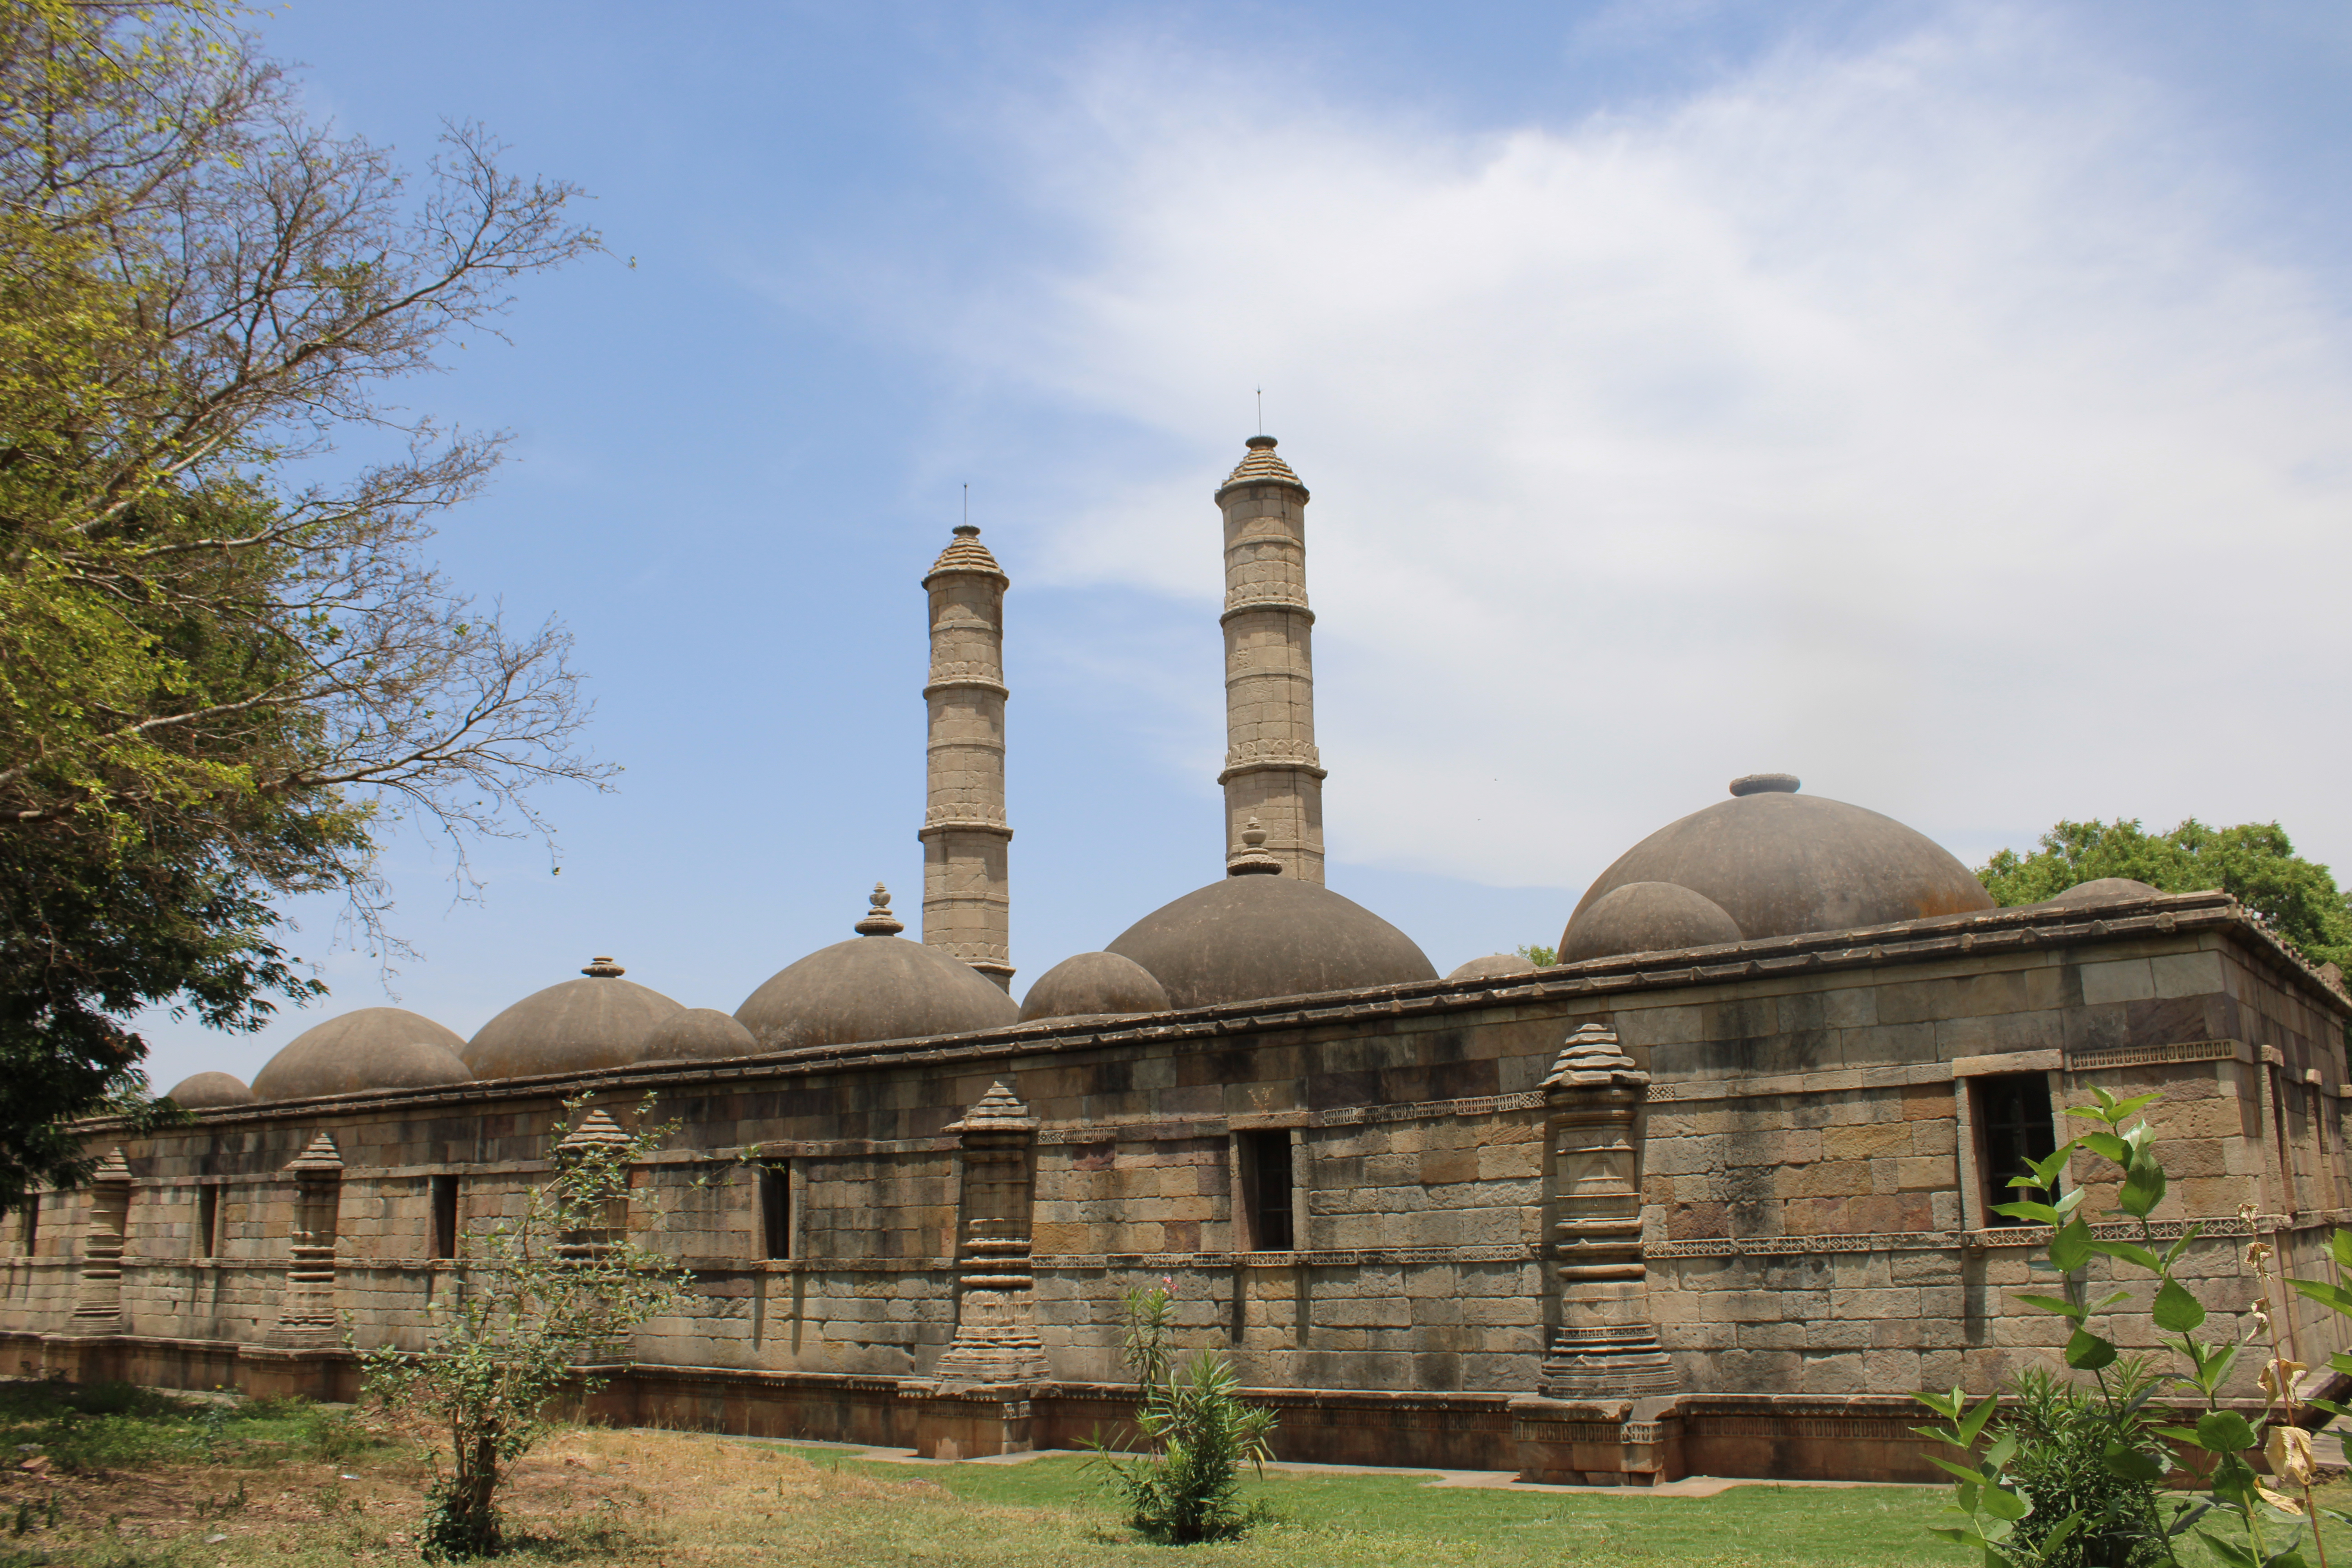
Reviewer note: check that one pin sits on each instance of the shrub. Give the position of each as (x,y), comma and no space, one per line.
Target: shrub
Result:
(1196,1430)
(542,1298)
(2062,1469)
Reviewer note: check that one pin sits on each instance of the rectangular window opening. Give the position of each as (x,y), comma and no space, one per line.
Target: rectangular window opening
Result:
(1266,1189)
(208,1221)
(28,1223)
(776,1211)
(2013,1114)
(445,1216)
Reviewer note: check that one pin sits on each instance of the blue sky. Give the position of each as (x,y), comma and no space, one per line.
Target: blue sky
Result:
(1948,404)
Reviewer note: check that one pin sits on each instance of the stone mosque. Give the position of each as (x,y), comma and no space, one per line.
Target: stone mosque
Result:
(1709,1195)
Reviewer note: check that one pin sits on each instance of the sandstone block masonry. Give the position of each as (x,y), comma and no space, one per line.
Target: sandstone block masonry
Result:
(967,897)
(1271,772)
(1356,1195)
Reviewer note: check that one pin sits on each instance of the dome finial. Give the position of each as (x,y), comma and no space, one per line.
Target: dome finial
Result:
(1765,783)
(1252,857)
(603,969)
(878,920)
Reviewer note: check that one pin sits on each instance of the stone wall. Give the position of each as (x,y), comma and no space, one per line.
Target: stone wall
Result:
(1816,1222)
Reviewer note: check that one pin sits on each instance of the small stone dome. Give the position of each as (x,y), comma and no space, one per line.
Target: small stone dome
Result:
(1495,966)
(2104,890)
(598,1021)
(875,986)
(375,1048)
(1645,917)
(1250,937)
(698,1034)
(209,1092)
(1780,863)
(1091,984)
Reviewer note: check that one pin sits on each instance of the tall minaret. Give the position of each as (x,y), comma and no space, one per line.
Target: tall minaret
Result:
(966,909)
(1271,772)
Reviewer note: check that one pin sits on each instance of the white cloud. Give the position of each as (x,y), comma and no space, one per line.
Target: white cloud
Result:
(1919,420)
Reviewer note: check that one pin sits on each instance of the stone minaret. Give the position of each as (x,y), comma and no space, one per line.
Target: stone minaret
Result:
(967,910)
(1271,772)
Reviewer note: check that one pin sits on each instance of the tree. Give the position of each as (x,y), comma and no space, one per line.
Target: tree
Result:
(226,667)
(541,1299)
(2254,862)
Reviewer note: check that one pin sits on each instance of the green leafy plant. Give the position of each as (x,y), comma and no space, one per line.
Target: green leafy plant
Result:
(2264,1527)
(1541,957)
(2062,1467)
(1195,1430)
(544,1302)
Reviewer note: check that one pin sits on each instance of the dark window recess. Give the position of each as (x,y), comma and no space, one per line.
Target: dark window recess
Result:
(445,1216)
(208,1222)
(29,1222)
(2013,1111)
(776,1211)
(1266,1187)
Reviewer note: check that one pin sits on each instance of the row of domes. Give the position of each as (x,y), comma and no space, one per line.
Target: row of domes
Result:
(1768,862)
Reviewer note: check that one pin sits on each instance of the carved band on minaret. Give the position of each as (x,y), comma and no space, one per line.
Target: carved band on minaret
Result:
(1605,1346)
(1273,771)
(98,1295)
(305,1314)
(967,905)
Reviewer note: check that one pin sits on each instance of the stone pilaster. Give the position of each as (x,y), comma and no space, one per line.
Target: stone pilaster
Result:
(98,1295)
(967,901)
(1604,1346)
(305,1314)
(597,1133)
(996,1338)
(1271,772)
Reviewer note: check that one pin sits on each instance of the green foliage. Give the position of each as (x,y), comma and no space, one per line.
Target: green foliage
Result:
(2255,861)
(1196,1433)
(2132,1522)
(542,1300)
(219,675)
(2064,1469)
(1541,957)
(102,1427)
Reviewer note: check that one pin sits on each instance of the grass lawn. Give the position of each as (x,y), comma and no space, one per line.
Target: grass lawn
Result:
(141,1480)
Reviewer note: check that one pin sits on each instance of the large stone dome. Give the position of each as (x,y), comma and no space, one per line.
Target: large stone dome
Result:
(875,986)
(375,1048)
(209,1092)
(1780,863)
(1250,937)
(1091,984)
(598,1021)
